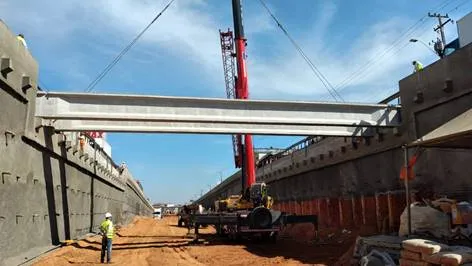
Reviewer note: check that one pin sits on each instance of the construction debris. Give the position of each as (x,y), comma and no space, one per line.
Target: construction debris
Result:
(377,258)
(381,244)
(425,219)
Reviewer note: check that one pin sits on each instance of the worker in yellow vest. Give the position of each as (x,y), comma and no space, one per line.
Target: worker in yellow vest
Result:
(107,231)
(21,39)
(418,66)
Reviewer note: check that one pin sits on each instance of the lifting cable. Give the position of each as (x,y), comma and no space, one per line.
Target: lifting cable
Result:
(459,5)
(123,52)
(332,91)
(393,47)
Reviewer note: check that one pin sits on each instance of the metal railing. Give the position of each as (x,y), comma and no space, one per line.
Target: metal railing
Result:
(96,155)
(105,165)
(300,145)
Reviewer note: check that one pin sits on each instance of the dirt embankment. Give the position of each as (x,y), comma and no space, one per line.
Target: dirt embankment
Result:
(160,242)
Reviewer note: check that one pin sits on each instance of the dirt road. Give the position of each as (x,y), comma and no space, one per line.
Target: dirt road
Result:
(160,242)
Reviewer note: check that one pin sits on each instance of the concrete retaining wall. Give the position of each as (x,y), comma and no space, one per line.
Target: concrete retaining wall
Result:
(351,182)
(50,191)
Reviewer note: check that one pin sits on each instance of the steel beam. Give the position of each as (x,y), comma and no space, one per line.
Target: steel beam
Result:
(139,113)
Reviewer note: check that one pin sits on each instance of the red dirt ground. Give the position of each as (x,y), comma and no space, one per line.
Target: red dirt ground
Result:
(147,241)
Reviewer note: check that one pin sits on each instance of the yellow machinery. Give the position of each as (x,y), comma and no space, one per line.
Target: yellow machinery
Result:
(258,197)
(249,215)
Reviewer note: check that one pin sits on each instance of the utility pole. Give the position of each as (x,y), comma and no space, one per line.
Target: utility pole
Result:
(440,47)
(441,24)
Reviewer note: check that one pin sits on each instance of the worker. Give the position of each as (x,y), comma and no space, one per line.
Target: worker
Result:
(439,47)
(82,142)
(107,231)
(418,66)
(21,39)
(122,167)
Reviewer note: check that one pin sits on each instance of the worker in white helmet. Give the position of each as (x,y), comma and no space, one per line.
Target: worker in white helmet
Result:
(107,231)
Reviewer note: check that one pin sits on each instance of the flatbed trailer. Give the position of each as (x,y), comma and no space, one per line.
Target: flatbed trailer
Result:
(251,223)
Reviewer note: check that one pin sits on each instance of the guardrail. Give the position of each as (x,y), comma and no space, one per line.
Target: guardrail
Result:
(97,155)
(105,166)
(300,145)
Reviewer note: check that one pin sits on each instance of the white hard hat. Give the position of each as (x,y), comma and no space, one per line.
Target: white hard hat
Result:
(107,215)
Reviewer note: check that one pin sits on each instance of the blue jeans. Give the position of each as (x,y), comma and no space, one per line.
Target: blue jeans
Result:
(106,246)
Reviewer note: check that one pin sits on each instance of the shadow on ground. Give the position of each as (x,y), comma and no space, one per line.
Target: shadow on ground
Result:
(308,253)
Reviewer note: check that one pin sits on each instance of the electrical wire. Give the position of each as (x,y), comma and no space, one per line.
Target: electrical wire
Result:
(329,87)
(43,86)
(459,5)
(376,58)
(373,60)
(107,69)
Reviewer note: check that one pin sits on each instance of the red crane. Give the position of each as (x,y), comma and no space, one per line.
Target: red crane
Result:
(234,49)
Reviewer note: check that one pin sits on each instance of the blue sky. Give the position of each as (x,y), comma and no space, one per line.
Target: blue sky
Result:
(180,56)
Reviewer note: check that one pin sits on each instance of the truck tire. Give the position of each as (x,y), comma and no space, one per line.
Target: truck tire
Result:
(260,218)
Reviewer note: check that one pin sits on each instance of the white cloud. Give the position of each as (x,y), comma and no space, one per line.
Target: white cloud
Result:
(287,75)
(256,23)
(190,33)
(185,30)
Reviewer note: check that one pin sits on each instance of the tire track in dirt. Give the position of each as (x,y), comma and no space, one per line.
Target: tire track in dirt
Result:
(147,241)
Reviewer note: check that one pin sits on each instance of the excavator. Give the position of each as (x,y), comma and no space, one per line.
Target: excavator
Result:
(248,214)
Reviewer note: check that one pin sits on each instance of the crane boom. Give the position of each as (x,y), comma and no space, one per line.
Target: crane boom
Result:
(229,71)
(242,92)
(233,49)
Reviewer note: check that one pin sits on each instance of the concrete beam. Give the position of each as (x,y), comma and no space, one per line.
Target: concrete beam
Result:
(208,128)
(140,113)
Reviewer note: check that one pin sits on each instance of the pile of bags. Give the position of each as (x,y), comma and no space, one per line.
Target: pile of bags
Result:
(425,219)
(420,252)
(440,218)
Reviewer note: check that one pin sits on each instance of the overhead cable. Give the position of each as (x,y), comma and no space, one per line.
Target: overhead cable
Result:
(107,69)
(459,5)
(376,58)
(329,87)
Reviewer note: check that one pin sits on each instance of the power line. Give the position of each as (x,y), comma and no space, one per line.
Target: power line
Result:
(459,5)
(363,74)
(376,58)
(43,86)
(123,52)
(329,87)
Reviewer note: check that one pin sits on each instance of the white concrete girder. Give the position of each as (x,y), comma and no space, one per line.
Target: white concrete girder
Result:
(208,128)
(139,113)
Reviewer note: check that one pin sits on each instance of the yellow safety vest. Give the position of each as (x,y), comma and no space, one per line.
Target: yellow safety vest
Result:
(418,66)
(22,41)
(107,228)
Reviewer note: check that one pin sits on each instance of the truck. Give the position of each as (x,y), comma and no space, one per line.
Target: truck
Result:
(157,214)
(249,216)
